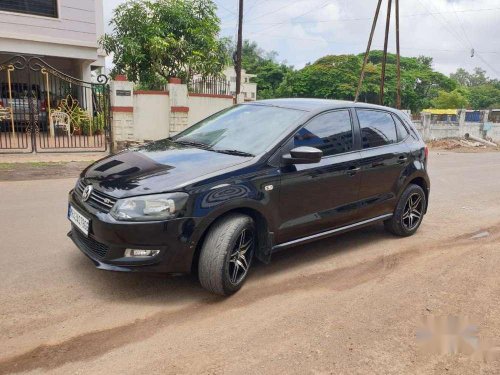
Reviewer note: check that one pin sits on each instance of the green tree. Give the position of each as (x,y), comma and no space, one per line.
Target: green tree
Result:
(333,77)
(484,96)
(336,77)
(155,40)
(476,78)
(450,100)
(269,72)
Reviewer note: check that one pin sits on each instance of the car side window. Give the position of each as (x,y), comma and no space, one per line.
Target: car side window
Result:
(377,128)
(400,128)
(330,132)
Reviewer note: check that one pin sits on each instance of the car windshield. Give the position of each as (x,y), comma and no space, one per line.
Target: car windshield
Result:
(247,128)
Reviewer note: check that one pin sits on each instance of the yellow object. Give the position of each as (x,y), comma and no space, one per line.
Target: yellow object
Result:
(47,88)
(9,70)
(435,111)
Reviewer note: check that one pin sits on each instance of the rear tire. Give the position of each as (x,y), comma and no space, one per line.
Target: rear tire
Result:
(227,254)
(409,212)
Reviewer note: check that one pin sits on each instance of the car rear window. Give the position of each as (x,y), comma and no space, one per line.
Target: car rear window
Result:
(377,128)
(401,129)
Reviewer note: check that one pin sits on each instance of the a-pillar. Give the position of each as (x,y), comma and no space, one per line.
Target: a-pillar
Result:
(179,107)
(122,111)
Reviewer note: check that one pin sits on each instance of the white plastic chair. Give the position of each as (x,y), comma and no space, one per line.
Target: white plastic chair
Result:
(61,120)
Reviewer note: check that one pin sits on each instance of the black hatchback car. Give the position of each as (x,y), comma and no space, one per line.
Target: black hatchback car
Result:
(246,182)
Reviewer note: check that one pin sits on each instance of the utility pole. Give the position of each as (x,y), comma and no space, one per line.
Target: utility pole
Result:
(239,48)
(398,60)
(367,53)
(384,59)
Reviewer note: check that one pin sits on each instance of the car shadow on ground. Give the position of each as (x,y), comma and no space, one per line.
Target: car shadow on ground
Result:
(160,289)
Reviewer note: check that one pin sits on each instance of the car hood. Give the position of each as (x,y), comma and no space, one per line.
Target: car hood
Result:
(156,168)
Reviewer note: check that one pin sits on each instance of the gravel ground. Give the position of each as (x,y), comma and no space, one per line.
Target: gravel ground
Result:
(346,305)
(41,170)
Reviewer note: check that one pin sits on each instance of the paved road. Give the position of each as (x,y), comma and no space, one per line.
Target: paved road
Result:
(350,304)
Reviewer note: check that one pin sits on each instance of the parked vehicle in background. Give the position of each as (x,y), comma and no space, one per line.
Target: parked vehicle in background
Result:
(248,181)
(21,94)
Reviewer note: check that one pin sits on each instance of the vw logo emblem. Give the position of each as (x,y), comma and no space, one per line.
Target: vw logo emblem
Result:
(86,192)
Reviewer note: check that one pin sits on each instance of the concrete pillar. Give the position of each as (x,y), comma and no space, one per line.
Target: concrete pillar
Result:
(240,98)
(426,125)
(122,111)
(461,123)
(179,107)
(485,115)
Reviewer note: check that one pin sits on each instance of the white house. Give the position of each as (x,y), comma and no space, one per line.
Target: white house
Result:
(248,89)
(64,33)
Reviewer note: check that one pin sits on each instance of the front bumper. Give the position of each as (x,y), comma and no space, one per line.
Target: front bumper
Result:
(108,239)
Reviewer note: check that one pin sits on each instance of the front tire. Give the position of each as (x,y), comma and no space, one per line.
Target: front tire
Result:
(409,212)
(227,253)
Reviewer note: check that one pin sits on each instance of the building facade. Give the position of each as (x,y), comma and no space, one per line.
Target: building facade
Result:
(248,89)
(64,33)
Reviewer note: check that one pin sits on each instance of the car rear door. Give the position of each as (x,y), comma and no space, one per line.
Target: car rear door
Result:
(383,161)
(317,197)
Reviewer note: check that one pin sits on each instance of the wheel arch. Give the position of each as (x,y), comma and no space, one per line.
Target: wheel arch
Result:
(420,181)
(264,236)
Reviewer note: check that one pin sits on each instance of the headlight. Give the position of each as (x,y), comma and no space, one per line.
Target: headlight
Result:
(149,207)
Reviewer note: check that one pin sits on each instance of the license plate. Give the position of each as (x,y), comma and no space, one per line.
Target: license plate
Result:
(80,221)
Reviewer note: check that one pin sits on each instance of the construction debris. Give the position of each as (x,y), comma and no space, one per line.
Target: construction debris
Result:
(463,145)
(484,141)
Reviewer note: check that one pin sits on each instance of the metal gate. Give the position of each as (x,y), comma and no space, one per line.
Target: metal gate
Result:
(45,110)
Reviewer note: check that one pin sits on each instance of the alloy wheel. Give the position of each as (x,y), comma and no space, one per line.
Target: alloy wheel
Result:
(412,213)
(241,256)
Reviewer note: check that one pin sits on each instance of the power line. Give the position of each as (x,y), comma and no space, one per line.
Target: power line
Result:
(300,15)
(227,9)
(376,46)
(472,47)
(459,39)
(251,7)
(364,18)
(276,10)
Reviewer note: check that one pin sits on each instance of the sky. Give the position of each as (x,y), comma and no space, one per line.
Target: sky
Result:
(302,31)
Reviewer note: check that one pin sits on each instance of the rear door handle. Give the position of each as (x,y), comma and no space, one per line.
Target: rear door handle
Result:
(353,170)
(402,159)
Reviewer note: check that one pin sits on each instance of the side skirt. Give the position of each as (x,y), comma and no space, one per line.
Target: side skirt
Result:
(328,233)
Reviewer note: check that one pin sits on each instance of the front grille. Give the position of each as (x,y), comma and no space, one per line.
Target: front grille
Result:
(97,199)
(88,244)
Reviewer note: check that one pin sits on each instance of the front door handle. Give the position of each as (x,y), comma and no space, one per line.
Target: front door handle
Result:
(402,159)
(353,170)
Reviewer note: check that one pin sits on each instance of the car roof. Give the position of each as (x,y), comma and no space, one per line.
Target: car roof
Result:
(316,105)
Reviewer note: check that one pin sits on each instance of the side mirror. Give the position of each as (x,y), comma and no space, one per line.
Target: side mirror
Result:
(303,155)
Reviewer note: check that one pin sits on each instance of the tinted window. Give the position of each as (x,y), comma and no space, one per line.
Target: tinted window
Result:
(331,133)
(401,129)
(46,8)
(377,128)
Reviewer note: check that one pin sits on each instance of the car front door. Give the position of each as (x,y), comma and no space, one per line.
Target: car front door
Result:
(320,196)
(384,158)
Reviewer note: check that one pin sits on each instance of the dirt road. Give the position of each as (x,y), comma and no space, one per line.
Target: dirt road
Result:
(346,305)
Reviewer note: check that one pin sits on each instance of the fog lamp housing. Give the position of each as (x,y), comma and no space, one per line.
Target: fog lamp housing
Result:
(141,253)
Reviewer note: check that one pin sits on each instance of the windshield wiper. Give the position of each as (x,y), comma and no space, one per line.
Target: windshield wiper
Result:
(234,152)
(204,146)
(194,143)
